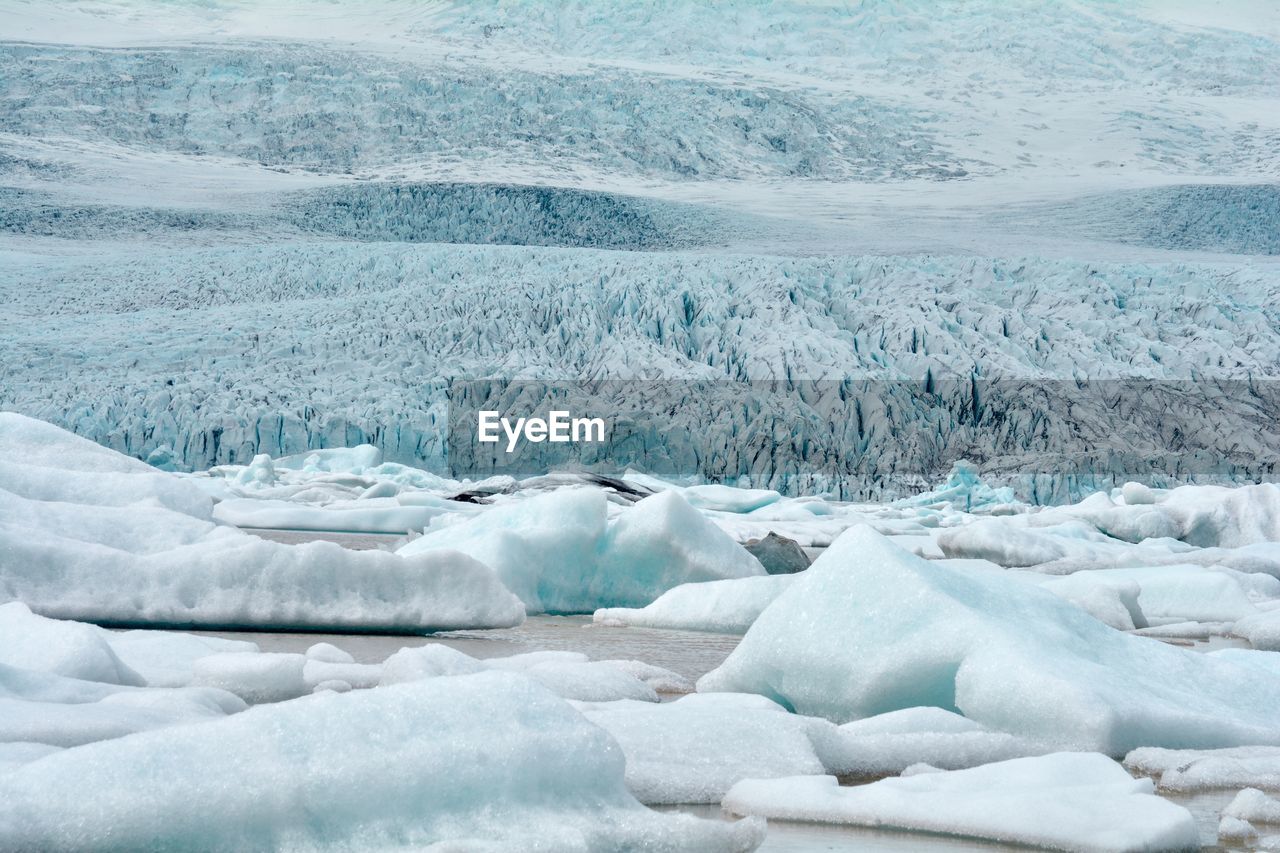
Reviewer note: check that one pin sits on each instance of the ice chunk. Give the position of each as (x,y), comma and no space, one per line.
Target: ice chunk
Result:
(62,648)
(261,677)
(662,542)
(336,460)
(1262,630)
(557,552)
(52,709)
(126,555)
(661,679)
(964,490)
(328,653)
(1197,769)
(887,744)
(430,661)
(545,549)
(869,629)
(1064,801)
(166,658)
(381,515)
(1178,592)
(728,606)
(489,759)
(729,498)
(694,749)
(1113,603)
(1254,806)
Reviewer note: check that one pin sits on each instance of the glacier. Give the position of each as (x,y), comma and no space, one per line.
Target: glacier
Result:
(232,232)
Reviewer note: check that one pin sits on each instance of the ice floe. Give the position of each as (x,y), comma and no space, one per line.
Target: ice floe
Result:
(1200,769)
(484,761)
(694,749)
(560,553)
(1062,801)
(727,606)
(98,536)
(870,629)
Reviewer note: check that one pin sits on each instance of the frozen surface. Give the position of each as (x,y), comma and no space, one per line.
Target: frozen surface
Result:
(693,750)
(490,759)
(871,629)
(1063,801)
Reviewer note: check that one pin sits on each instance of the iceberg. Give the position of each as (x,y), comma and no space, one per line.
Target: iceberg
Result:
(870,628)
(1201,769)
(727,607)
(43,708)
(560,553)
(490,761)
(887,744)
(103,538)
(1062,801)
(693,750)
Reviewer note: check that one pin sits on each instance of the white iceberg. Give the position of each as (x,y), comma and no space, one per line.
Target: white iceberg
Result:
(72,649)
(489,761)
(103,538)
(727,607)
(887,744)
(559,553)
(693,750)
(1062,801)
(40,707)
(1201,769)
(870,629)
(1262,630)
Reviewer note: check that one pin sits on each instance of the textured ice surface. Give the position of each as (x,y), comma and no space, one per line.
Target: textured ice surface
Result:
(71,649)
(728,606)
(490,759)
(560,553)
(37,707)
(1262,630)
(108,546)
(206,217)
(887,744)
(1062,801)
(870,628)
(693,750)
(1198,769)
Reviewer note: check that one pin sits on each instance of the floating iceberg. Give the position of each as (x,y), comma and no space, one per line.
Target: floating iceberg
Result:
(92,535)
(694,749)
(560,553)
(1198,769)
(1063,801)
(39,707)
(728,606)
(887,744)
(870,629)
(490,761)
(1262,630)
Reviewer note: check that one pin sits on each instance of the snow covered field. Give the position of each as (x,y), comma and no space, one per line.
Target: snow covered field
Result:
(940,340)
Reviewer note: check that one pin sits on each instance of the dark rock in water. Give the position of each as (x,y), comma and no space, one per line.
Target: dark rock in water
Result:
(778,554)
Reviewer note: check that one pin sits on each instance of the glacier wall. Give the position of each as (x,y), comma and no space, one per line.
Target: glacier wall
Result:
(280,349)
